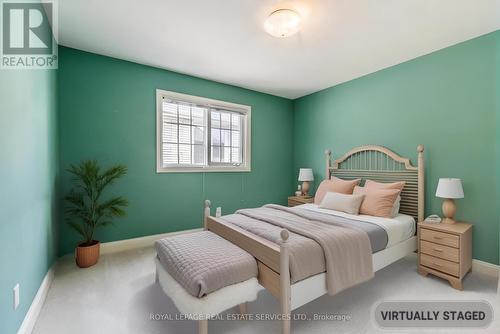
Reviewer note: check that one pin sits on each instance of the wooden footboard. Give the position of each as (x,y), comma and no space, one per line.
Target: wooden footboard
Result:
(272,260)
(263,250)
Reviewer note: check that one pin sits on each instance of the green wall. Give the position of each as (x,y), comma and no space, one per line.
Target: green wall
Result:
(444,100)
(497,140)
(27,192)
(108,112)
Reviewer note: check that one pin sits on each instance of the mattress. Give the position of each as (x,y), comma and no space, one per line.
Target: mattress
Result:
(396,230)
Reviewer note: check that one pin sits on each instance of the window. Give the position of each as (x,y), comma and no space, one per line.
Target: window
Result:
(196,134)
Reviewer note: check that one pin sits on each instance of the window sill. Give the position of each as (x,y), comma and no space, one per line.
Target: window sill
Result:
(243,169)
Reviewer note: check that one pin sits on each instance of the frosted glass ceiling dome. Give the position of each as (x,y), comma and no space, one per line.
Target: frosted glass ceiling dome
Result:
(283,23)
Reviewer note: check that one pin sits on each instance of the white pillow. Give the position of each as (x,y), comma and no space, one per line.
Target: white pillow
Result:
(342,202)
(395,208)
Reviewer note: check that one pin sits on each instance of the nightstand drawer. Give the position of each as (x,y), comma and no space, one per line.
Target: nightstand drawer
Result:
(439,237)
(444,266)
(443,252)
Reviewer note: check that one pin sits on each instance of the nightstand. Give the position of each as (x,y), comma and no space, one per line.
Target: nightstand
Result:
(298,200)
(445,250)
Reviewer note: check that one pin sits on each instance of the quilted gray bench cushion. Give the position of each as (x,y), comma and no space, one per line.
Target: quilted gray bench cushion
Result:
(203,262)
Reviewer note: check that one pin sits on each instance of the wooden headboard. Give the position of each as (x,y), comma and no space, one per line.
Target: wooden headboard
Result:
(380,164)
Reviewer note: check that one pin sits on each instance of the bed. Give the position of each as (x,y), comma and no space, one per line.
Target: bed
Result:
(273,258)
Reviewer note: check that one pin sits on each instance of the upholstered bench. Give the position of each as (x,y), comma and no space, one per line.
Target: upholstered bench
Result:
(204,275)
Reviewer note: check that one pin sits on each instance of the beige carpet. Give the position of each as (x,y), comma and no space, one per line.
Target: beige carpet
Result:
(118,296)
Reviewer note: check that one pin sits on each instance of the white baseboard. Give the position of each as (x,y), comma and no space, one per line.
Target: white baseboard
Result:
(37,303)
(485,268)
(128,244)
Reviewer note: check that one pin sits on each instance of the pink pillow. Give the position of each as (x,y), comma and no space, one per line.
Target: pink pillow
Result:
(379,185)
(377,202)
(335,185)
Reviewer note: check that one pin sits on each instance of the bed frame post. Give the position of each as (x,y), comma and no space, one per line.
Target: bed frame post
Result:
(203,326)
(243,307)
(206,213)
(421,189)
(328,155)
(285,288)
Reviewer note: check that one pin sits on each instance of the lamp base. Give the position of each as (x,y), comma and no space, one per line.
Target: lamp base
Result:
(305,188)
(449,209)
(446,220)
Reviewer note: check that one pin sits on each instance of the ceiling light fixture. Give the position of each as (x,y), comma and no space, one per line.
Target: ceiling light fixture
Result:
(283,23)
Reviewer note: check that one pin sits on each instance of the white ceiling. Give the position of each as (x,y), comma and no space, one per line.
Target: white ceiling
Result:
(224,40)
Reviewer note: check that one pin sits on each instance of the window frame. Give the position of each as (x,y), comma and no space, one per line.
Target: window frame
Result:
(245,166)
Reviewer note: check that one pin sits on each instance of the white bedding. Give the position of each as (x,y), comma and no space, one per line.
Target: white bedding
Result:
(399,228)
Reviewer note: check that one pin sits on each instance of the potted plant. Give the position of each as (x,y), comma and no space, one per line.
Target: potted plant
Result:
(87,211)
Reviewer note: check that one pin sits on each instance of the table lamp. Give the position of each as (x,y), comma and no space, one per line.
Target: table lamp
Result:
(305,175)
(449,189)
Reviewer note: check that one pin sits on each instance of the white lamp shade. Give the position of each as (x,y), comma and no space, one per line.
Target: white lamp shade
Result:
(450,188)
(306,174)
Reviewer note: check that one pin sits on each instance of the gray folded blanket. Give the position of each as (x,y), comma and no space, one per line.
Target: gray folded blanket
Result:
(346,248)
(203,262)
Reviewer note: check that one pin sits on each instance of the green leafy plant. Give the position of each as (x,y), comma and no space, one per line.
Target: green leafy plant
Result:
(86,210)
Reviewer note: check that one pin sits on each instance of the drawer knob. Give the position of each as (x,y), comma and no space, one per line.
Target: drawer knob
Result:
(438,238)
(438,250)
(437,264)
